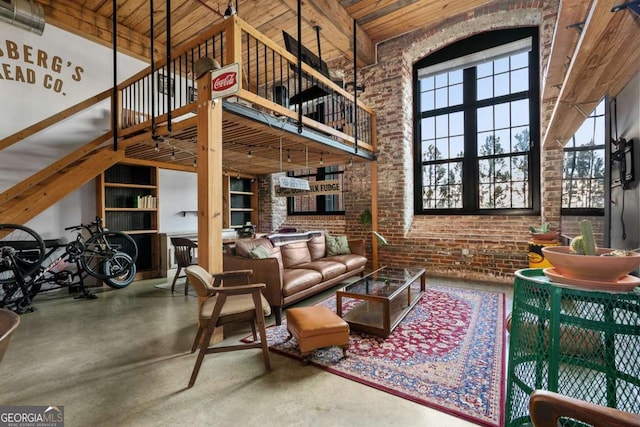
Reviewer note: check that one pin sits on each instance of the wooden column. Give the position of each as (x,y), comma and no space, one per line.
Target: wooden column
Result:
(209,184)
(209,177)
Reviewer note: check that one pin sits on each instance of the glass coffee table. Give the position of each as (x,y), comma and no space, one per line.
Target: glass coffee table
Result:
(377,302)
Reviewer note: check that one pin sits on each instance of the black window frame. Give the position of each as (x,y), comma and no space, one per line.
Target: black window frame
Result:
(319,175)
(568,211)
(470,165)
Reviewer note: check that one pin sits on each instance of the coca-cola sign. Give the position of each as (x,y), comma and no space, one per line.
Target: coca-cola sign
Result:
(225,81)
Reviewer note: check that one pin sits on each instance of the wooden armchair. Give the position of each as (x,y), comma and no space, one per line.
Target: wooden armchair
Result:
(237,302)
(184,256)
(547,407)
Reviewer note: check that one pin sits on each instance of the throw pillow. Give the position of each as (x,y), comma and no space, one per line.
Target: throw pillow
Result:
(337,245)
(260,252)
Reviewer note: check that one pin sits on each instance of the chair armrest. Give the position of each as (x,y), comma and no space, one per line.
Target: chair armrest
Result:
(546,407)
(240,289)
(356,246)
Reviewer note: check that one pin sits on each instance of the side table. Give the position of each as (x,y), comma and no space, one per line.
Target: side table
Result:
(579,343)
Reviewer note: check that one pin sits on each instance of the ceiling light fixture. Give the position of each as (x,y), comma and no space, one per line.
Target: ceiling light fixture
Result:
(321,160)
(288,157)
(156,148)
(173,154)
(195,163)
(249,153)
(231,10)
(350,161)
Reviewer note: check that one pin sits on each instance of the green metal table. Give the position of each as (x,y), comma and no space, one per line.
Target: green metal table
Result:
(584,344)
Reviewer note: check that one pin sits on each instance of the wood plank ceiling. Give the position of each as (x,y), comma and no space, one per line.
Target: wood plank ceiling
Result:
(587,60)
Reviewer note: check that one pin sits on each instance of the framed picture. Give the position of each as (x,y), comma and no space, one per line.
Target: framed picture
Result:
(165,84)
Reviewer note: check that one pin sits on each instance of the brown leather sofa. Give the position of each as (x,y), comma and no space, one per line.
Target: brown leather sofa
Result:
(295,270)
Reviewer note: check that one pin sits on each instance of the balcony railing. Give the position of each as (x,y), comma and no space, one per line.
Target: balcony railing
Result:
(269,82)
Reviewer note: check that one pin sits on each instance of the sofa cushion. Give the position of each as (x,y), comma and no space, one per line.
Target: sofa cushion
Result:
(295,280)
(328,269)
(260,252)
(317,247)
(294,254)
(244,246)
(351,261)
(337,245)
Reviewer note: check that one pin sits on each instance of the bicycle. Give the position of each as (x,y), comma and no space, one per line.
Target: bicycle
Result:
(30,265)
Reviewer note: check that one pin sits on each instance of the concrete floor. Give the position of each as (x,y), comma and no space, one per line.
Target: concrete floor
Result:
(123,360)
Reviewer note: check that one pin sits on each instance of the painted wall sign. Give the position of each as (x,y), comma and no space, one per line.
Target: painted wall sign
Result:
(225,81)
(22,63)
(316,188)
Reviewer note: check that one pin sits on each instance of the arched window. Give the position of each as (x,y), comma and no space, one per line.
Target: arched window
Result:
(476,146)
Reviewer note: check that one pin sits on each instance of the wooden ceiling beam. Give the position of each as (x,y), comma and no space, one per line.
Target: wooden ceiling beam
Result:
(604,61)
(78,20)
(337,28)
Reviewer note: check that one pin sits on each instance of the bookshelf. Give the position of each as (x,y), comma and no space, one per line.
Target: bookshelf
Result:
(128,202)
(240,201)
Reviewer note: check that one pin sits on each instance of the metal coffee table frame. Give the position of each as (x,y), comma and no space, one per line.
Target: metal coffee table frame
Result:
(386,297)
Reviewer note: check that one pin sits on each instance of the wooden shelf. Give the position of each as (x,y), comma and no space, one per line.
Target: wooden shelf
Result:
(121,189)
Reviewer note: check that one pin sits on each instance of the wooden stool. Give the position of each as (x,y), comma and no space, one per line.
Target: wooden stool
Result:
(317,327)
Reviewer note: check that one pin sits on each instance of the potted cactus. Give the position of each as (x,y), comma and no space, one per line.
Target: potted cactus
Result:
(544,232)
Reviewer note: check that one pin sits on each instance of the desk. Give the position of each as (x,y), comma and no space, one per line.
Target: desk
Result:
(578,343)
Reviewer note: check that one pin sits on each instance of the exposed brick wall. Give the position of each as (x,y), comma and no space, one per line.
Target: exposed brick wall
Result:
(483,248)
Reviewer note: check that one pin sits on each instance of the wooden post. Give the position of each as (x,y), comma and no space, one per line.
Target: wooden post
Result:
(209,183)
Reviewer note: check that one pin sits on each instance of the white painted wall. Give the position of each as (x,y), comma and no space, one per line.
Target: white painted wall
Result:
(178,191)
(42,75)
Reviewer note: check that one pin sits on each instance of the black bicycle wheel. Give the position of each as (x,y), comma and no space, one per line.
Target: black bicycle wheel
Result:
(125,276)
(17,296)
(105,246)
(22,250)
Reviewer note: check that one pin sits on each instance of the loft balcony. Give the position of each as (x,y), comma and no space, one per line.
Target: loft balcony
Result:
(261,132)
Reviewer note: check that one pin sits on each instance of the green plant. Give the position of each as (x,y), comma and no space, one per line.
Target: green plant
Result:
(545,227)
(584,244)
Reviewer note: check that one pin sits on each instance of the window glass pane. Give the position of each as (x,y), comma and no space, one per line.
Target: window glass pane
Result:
(484,70)
(519,168)
(503,136)
(485,143)
(427,101)
(501,65)
(441,80)
(455,77)
(520,112)
(442,147)
(456,123)
(456,145)
(484,119)
(428,150)
(501,84)
(485,88)
(426,83)
(598,136)
(442,126)
(501,116)
(455,95)
(521,141)
(519,80)
(442,98)
(427,128)
(520,60)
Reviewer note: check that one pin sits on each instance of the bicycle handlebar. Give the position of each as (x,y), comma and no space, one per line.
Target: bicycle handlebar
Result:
(96,223)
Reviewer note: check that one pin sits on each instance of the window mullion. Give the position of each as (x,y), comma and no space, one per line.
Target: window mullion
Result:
(470,185)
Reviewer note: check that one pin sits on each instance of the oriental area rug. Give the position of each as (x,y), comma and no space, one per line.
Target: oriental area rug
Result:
(447,353)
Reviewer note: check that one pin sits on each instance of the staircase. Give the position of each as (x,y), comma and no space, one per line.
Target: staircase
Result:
(42,190)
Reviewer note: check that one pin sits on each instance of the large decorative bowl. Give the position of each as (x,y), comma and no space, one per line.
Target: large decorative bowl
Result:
(592,268)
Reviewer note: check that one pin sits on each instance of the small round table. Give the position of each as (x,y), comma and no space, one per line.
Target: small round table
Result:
(583,344)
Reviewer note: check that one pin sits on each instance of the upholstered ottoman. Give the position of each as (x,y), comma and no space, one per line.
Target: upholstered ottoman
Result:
(317,327)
